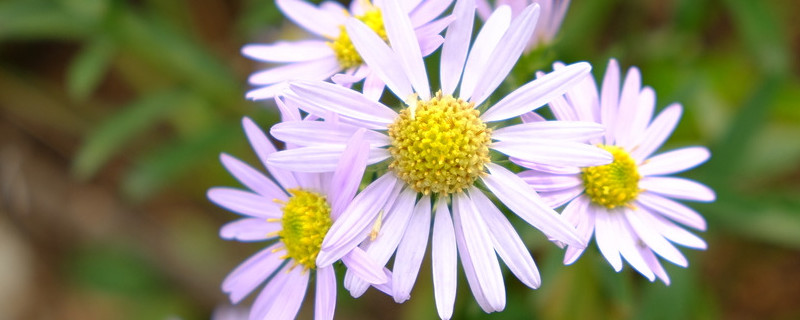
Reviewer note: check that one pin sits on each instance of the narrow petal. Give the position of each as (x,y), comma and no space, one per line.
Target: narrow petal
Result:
(609,98)
(679,188)
(653,239)
(529,117)
(554,169)
(249,229)
(455,46)
(289,112)
(629,245)
(325,300)
(479,244)
(269,92)
(675,233)
(320,98)
(644,112)
(542,181)
(288,302)
(536,93)
(674,161)
(243,202)
(658,132)
(288,51)
(430,44)
(487,40)
(251,273)
(347,177)
(347,79)
(578,131)
(373,87)
(251,178)
(506,241)
(319,69)
(309,133)
(469,269)
(505,56)
(523,201)
(427,11)
(405,44)
(318,158)
(606,237)
(654,264)
(628,105)
(581,216)
(551,152)
(555,199)
(263,148)
(379,57)
(269,295)
(671,209)
(310,17)
(353,225)
(411,251)
(444,261)
(364,267)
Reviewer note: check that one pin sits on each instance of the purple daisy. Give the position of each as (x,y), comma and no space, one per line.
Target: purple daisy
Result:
(295,214)
(330,54)
(552,14)
(627,204)
(438,151)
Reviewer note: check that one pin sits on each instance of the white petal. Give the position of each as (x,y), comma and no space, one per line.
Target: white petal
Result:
(506,241)
(678,188)
(658,132)
(542,181)
(373,87)
(347,178)
(578,131)
(654,264)
(251,273)
(318,158)
(486,42)
(551,152)
(379,57)
(309,133)
(444,261)
(536,93)
(319,98)
(653,239)
(251,178)
(628,105)
(404,42)
(578,212)
(674,161)
(479,244)
(411,251)
(609,98)
(672,210)
(675,233)
(325,300)
(644,112)
(269,295)
(364,267)
(243,202)
(505,56)
(523,201)
(287,304)
(319,69)
(455,46)
(469,269)
(249,229)
(629,245)
(427,11)
(555,199)
(286,51)
(263,148)
(606,237)
(310,17)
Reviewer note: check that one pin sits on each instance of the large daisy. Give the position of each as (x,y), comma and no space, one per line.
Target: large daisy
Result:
(438,154)
(294,215)
(552,14)
(330,53)
(627,204)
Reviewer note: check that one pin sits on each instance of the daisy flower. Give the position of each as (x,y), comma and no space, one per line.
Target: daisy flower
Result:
(627,204)
(294,214)
(552,14)
(438,154)
(330,53)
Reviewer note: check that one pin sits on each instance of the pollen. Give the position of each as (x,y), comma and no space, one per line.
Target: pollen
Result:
(615,184)
(306,219)
(343,47)
(440,145)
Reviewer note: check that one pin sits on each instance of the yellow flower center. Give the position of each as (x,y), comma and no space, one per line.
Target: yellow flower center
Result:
(439,145)
(345,52)
(306,219)
(614,184)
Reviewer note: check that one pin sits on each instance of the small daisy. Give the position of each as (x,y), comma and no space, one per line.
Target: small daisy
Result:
(438,148)
(552,14)
(626,204)
(295,214)
(330,54)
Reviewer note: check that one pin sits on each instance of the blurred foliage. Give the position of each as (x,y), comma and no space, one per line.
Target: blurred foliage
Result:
(146,94)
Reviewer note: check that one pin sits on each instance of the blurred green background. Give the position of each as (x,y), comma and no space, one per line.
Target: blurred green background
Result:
(113,113)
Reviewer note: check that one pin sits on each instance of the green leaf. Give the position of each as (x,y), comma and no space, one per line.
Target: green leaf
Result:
(112,134)
(88,68)
(30,19)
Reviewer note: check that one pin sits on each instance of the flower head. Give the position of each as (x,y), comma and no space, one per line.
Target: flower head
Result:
(330,53)
(438,149)
(626,204)
(552,14)
(293,211)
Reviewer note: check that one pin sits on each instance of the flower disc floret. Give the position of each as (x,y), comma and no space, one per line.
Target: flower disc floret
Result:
(614,184)
(343,47)
(306,220)
(440,145)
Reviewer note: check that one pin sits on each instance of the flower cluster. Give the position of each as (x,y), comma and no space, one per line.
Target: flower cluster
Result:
(445,157)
